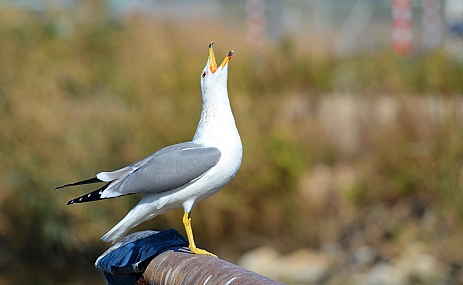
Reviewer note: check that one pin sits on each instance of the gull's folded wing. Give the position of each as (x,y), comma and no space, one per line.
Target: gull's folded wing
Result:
(170,168)
(164,170)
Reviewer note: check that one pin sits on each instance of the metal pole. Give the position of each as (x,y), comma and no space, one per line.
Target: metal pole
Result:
(402,34)
(151,257)
(176,267)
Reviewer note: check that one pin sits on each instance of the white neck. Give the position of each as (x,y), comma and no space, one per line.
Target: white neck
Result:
(216,125)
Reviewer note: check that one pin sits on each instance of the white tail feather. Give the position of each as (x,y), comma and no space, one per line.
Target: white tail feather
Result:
(143,211)
(116,233)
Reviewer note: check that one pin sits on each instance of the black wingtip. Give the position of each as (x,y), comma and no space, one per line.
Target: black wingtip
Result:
(92,196)
(210,45)
(83,182)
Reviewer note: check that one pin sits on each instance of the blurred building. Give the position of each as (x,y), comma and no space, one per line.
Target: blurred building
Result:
(347,27)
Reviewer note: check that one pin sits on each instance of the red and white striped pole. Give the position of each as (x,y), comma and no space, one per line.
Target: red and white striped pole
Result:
(255,21)
(402,37)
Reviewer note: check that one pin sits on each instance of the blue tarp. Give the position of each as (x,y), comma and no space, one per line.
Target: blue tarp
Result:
(124,262)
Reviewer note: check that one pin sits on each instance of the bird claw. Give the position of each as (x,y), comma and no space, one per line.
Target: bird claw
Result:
(196,250)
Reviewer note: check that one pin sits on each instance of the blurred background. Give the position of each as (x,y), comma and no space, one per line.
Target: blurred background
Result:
(350,113)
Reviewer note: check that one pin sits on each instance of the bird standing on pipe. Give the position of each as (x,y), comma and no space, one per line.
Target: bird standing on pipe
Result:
(183,174)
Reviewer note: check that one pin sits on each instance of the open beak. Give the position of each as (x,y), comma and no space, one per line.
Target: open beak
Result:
(212,63)
(227,58)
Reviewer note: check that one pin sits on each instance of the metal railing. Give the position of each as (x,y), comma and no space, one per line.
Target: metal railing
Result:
(152,258)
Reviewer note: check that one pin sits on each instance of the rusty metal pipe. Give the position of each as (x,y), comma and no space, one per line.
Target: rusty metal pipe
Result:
(152,258)
(176,267)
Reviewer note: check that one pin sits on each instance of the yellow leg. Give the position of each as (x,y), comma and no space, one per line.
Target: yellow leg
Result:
(189,233)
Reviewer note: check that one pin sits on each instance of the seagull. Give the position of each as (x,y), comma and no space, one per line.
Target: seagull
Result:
(180,175)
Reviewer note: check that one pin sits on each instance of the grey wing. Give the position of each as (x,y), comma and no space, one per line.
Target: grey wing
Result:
(166,169)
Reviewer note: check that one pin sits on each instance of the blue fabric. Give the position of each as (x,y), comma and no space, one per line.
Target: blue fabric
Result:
(124,262)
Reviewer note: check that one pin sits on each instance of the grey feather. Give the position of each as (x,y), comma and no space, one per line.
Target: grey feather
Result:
(164,170)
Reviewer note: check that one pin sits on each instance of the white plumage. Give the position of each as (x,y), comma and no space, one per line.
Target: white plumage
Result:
(184,174)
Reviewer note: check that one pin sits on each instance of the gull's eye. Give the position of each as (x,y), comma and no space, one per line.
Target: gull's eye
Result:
(204,74)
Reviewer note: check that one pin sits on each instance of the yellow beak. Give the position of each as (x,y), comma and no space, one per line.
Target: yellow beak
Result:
(212,63)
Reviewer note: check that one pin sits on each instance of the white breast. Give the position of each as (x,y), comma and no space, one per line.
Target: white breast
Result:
(216,128)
